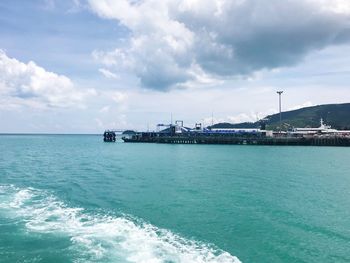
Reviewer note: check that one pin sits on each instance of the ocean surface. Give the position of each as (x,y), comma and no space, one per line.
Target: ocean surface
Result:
(73,198)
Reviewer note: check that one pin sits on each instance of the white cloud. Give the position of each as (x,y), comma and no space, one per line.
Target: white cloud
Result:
(118,96)
(105,109)
(70,6)
(250,117)
(337,6)
(180,42)
(242,117)
(299,106)
(99,123)
(33,86)
(108,74)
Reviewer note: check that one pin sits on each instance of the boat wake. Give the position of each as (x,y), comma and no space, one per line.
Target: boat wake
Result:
(99,237)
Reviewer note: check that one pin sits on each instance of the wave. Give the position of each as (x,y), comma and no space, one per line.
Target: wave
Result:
(100,237)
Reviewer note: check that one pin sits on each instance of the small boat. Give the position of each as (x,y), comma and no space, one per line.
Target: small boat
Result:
(109,136)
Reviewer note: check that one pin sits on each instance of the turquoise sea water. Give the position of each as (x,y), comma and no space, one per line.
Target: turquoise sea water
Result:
(70,198)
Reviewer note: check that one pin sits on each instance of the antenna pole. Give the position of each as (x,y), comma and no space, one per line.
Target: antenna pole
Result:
(280,107)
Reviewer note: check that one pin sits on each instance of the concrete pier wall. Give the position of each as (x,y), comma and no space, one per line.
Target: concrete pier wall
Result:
(312,141)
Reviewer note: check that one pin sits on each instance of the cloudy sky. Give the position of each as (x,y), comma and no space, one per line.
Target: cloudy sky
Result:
(82,66)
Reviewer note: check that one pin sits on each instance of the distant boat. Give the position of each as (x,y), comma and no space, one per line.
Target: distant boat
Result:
(109,136)
(323,129)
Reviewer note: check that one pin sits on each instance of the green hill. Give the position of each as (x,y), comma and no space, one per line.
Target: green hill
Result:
(336,115)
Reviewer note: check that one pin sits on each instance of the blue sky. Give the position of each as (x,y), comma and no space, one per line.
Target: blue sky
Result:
(75,66)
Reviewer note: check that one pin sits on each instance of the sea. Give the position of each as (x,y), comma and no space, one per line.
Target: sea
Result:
(74,198)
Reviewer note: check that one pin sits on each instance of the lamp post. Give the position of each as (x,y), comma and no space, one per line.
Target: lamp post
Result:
(280,104)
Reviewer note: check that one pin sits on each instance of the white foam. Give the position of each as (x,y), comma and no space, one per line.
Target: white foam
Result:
(106,238)
(18,196)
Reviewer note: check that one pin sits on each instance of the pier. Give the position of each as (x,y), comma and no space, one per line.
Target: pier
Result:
(178,134)
(204,139)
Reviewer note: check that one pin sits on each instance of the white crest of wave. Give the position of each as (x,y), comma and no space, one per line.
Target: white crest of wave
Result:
(18,196)
(106,238)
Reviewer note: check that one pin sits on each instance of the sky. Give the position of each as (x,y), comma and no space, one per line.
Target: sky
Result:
(83,66)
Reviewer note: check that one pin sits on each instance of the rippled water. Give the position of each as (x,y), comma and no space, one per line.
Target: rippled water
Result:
(70,198)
